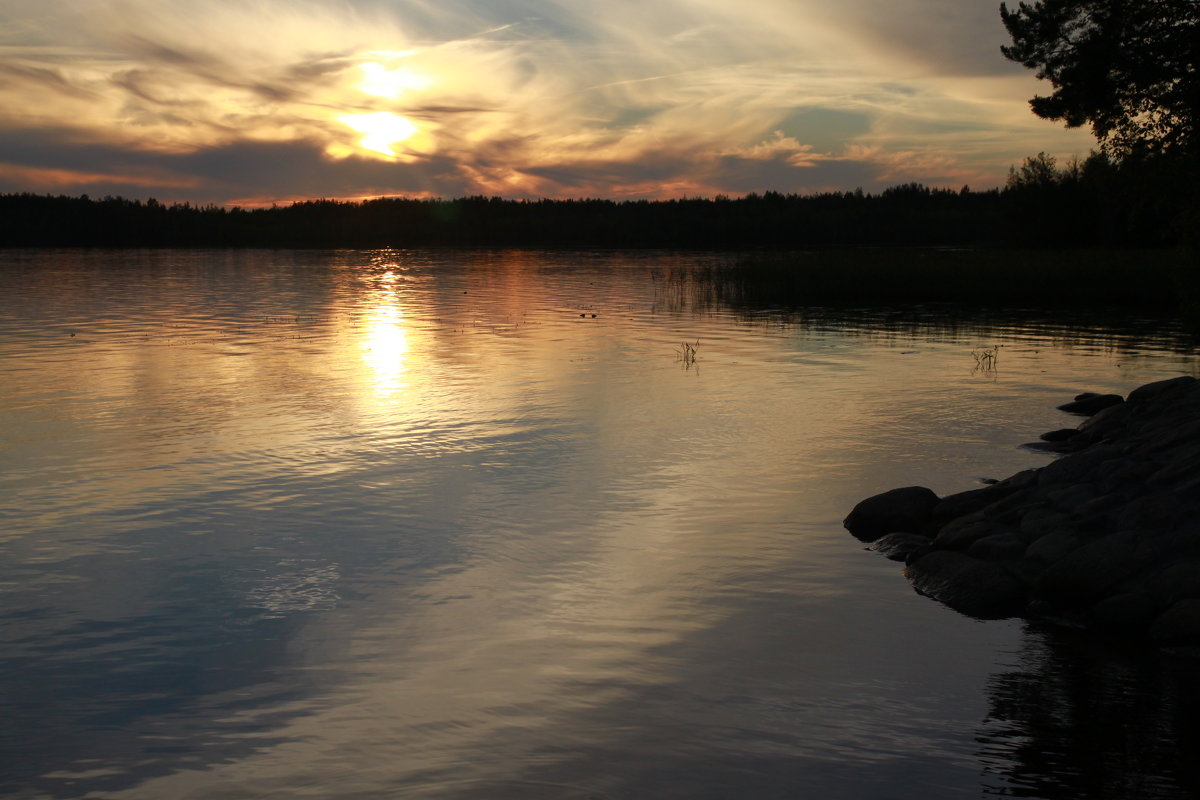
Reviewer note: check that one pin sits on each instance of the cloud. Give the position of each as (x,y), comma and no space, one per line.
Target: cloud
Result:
(514,97)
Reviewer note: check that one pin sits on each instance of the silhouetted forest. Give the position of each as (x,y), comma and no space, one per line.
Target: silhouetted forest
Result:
(1097,202)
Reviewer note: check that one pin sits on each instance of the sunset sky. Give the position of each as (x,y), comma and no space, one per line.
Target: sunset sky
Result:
(260,101)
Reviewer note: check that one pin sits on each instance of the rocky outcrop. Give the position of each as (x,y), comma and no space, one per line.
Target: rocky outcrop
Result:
(904,509)
(1106,537)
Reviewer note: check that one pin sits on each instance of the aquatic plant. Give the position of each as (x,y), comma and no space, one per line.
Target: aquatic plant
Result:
(687,353)
(985,360)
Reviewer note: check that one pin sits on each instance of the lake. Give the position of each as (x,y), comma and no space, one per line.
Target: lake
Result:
(523,524)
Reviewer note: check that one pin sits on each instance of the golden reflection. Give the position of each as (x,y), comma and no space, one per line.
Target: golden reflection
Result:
(385,346)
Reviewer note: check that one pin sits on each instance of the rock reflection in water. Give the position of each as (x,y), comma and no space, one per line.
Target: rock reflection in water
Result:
(1076,718)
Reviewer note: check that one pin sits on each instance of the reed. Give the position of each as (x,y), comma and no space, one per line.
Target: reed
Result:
(687,353)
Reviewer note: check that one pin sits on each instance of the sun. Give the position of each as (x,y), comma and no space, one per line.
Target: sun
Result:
(381,130)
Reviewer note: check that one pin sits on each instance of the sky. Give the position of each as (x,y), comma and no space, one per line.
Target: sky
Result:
(250,102)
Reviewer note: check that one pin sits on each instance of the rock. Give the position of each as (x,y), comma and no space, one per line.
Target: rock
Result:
(1183,542)
(899,546)
(1060,435)
(998,547)
(1122,615)
(1050,447)
(1041,521)
(1104,423)
(957,505)
(1083,575)
(1177,472)
(1171,437)
(1153,512)
(1106,537)
(964,532)
(1179,625)
(968,585)
(1175,582)
(1024,479)
(1153,391)
(1053,546)
(905,510)
(1071,497)
(1118,473)
(1077,467)
(1088,404)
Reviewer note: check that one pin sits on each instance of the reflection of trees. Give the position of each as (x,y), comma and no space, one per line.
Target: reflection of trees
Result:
(1077,719)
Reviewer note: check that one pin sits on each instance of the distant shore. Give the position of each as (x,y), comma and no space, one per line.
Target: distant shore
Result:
(1058,214)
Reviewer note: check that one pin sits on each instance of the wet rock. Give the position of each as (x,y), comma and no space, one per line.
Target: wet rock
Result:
(1088,404)
(903,510)
(1060,435)
(977,588)
(899,546)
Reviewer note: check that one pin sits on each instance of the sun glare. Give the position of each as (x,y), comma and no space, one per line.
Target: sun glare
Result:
(382,130)
(380,81)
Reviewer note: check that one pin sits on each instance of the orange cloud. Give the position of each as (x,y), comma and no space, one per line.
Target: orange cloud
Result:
(52,178)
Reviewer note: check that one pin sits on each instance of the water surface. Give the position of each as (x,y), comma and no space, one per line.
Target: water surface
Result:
(459,524)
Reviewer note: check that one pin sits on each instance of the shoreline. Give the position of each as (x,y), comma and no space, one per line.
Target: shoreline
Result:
(1105,538)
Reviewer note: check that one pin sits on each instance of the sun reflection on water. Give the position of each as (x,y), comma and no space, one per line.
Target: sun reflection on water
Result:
(385,345)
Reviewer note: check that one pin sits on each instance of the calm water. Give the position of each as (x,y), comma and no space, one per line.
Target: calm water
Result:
(389,524)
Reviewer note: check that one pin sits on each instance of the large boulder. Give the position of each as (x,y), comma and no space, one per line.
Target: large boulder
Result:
(905,510)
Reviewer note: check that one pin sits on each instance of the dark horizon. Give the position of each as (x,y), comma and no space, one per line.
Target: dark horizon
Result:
(1094,203)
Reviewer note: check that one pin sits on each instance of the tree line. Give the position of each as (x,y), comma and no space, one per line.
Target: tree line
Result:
(1093,202)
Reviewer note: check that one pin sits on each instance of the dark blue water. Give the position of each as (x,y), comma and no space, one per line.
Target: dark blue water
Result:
(444,524)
